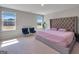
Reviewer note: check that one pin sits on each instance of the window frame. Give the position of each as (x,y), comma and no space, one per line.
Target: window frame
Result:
(42,18)
(2,21)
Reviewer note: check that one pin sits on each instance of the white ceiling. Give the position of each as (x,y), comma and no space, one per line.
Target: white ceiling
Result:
(38,9)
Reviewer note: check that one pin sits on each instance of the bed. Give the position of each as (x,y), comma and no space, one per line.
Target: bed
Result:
(62,41)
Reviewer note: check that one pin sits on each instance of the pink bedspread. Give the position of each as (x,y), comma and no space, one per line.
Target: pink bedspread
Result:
(58,37)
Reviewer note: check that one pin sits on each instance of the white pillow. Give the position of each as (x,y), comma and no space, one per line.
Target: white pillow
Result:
(55,29)
(61,29)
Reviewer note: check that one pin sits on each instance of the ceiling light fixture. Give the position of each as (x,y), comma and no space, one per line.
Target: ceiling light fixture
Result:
(42,4)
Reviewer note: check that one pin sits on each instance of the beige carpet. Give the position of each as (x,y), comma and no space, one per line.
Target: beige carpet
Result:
(25,45)
(76,48)
(29,45)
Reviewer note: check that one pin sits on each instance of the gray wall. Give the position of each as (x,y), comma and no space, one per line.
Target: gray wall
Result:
(64,13)
(0,21)
(23,19)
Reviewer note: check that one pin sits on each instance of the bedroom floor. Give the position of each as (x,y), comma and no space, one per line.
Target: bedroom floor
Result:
(29,45)
(76,48)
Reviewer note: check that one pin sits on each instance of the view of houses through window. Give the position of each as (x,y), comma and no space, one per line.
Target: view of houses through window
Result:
(8,21)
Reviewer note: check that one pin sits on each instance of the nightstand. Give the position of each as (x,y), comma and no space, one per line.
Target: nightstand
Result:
(77,37)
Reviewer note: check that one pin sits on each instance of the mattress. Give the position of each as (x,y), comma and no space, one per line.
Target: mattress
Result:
(57,37)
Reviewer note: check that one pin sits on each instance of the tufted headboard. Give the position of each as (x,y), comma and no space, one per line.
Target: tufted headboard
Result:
(68,23)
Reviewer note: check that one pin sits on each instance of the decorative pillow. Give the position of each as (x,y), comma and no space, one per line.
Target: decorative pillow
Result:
(55,29)
(61,29)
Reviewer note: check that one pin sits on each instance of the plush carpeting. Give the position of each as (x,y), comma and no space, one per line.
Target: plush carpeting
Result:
(25,45)
(29,45)
(76,48)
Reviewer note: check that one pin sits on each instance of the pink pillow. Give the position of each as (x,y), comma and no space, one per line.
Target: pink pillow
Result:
(55,29)
(61,29)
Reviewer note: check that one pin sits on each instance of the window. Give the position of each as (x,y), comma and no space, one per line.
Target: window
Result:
(8,21)
(40,20)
